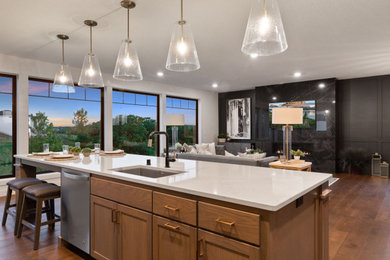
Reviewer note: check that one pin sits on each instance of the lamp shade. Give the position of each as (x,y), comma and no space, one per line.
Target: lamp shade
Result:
(175,119)
(285,116)
(63,81)
(91,75)
(264,34)
(182,54)
(127,64)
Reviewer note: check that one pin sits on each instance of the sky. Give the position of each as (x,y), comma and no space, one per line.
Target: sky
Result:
(60,111)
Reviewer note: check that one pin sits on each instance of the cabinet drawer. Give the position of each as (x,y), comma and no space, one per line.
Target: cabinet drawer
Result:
(230,222)
(174,207)
(173,240)
(122,193)
(216,247)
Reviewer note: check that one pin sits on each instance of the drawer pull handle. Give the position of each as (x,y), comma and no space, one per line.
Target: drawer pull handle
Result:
(171,227)
(218,220)
(171,208)
(113,216)
(200,243)
(325,194)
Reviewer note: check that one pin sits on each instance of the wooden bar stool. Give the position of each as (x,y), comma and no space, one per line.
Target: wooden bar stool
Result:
(45,192)
(14,209)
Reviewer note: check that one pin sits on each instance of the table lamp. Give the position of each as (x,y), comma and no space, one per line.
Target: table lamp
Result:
(287,116)
(175,120)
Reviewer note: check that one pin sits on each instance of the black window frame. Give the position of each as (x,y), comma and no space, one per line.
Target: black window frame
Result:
(158,109)
(102,130)
(196,109)
(14,121)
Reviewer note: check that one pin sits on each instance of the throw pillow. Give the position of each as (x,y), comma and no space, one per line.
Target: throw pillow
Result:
(212,148)
(205,152)
(229,154)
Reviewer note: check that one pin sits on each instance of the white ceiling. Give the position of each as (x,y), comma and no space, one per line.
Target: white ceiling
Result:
(327,38)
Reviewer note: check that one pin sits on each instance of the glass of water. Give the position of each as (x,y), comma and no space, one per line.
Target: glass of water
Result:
(65,149)
(46,148)
(97,148)
(77,144)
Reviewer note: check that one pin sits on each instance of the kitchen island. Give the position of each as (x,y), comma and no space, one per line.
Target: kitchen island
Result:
(203,210)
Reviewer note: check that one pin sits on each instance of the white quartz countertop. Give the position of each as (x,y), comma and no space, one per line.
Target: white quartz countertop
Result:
(258,187)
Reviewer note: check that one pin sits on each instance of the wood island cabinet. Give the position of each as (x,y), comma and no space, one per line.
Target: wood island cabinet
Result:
(172,240)
(212,246)
(119,232)
(133,221)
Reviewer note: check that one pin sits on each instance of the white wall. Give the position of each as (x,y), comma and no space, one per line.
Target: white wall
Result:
(24,68)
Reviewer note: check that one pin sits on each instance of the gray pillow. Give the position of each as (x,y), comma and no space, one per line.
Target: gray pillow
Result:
(219,149)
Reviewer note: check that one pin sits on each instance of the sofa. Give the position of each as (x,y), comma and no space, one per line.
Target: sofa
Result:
(221,158)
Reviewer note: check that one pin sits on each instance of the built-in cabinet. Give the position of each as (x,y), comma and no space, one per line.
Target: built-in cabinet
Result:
(130,221)
(115,228)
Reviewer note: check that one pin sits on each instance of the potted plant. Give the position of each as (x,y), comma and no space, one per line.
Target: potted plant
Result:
(70,149)
(354,159)
(222,138)
(76,150)
(86,152)
(254,151)
(297,154)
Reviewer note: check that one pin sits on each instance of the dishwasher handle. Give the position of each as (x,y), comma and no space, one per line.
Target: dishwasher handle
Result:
(76,177)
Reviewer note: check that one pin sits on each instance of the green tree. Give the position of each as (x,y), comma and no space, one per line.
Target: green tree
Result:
(42,132)
(40,125)
(80,119)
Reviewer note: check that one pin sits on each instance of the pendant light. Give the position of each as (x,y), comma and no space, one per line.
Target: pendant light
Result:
(127,63)
(264,34)
(91,75)
(182,54)
(63,81)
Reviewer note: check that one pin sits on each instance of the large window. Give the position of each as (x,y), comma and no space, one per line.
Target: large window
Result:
(187,133)
(135,115)
(7,124)
(64,118)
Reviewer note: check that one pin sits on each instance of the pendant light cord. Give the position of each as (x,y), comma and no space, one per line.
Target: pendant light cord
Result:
(128,24)
(265,8)
(90,40)
(63,53)
(181,17)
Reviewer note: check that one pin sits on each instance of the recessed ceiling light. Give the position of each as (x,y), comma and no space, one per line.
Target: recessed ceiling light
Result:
(327,111)
(334,101)
(321,85)
(274,98)
(160,74)
(215,85)
(297,74)
(254,55)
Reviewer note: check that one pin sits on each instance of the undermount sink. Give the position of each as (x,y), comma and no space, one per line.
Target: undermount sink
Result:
(147,171)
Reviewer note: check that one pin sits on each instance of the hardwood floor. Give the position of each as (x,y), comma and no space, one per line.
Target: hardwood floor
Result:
(12,248)
(360,218)
(359,225)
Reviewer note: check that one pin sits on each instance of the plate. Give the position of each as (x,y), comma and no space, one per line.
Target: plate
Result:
(62,156)
(114,152)
(41,153)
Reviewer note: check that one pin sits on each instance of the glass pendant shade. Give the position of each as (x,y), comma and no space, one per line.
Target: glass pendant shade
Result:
(91,75)
(182,54)
(264,34)
(127,64)
(63,81)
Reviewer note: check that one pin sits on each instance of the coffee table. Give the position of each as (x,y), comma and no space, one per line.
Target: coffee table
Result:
(296,165)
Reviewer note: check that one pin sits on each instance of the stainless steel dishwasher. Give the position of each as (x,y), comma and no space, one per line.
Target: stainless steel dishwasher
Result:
(75,192)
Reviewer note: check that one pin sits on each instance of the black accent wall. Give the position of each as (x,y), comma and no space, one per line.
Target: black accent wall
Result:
(359,119)
(363,120)
(320,143)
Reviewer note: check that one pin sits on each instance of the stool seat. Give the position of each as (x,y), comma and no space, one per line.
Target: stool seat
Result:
(22,183)
(43,190)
